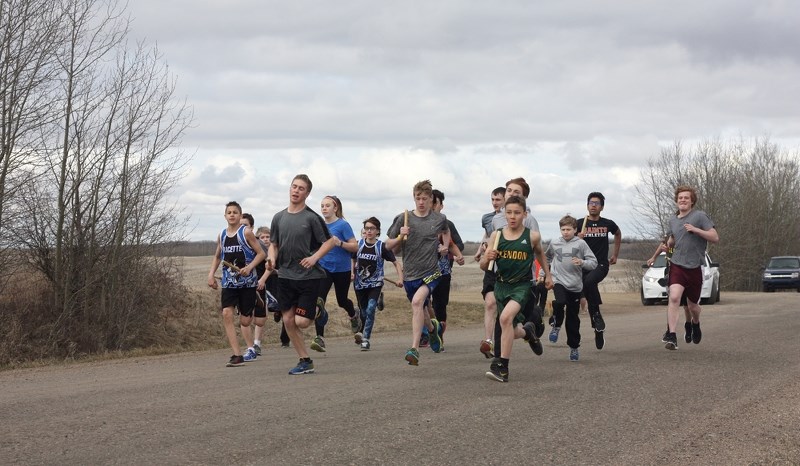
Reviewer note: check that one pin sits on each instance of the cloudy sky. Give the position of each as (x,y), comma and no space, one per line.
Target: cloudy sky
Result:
(368,98)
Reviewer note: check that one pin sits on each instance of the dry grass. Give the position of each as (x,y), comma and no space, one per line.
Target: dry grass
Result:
(199,324)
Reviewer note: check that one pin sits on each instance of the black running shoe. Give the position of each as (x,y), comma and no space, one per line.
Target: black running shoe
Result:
(497,372)
(539,327)
(687,337)
(532,339)
(697,335)
(599,339)
(599,323)
(671,341)
(235,361)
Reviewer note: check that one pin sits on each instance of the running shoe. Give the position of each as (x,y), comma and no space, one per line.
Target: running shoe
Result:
(412,357)
(664,336)
(598,323)
(697,335)
(235,361)
(599,339)
(574,355)
(487,348)
(365,345)
(380,301)
(687,336)
(539,328)
(497,372)
(423,339)
(302,367)
(249,355)
(257,348)
(355,323)
(272,303)
(671,341)
(532,339)
(358,337)
(435,340)
(554,334)
(318,344)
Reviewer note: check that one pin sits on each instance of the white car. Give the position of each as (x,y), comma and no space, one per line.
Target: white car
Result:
(653,291)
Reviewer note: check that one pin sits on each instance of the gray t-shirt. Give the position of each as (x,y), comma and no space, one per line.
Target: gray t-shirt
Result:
(298,236)
(420,250)
(486,223)
(499,221)
(689,249)
(559,256)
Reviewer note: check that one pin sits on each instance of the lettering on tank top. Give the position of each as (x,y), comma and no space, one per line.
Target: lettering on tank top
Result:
(513,255)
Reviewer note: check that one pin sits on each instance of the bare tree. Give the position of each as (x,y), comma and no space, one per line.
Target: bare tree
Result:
(28,32)
(108,158)
(751,190)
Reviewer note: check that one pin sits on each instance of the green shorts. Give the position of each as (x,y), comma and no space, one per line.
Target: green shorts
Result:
(519,292)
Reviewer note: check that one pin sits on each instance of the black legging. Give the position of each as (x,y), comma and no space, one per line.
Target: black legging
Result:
(591,279)
(571,300)
(341,285)
(441,297)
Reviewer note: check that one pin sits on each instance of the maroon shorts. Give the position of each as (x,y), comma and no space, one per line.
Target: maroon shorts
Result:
(690,279)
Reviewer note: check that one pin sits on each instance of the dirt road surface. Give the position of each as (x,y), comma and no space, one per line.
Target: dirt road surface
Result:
(733,399)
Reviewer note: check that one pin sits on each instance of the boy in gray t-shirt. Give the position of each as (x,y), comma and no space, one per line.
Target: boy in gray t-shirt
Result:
(689,232)
(299,240)
(416,235)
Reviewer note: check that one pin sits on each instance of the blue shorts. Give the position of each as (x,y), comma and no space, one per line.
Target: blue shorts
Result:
(430,281)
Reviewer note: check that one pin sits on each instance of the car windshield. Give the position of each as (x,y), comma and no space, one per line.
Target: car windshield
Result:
(661,261)
(784,263)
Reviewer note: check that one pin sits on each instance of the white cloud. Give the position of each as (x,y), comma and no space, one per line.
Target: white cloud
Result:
(368,98)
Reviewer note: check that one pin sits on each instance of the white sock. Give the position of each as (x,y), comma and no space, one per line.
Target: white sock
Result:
(257,342)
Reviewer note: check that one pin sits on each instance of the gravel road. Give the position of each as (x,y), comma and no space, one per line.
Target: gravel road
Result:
(733,399)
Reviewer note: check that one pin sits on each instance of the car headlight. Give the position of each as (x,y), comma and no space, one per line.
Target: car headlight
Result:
(767,275)
(795,274)
(651,279)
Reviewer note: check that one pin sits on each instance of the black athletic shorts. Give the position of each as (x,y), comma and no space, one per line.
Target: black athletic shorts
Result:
(489,279)
(261,305)
(300,294)
(243,299)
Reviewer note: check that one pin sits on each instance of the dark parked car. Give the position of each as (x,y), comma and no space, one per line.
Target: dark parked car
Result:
(782,272)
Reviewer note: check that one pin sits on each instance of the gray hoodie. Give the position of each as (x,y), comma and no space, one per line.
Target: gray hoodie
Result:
(559,256)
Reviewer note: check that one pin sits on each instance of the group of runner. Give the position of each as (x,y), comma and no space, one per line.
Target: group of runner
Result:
(312,253)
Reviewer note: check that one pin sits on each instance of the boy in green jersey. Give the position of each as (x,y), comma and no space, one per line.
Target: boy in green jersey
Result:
(513,256)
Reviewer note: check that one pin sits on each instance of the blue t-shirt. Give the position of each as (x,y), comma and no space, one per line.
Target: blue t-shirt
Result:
(337,259)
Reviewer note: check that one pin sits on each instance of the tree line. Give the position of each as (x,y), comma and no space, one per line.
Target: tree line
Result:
(749,188)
